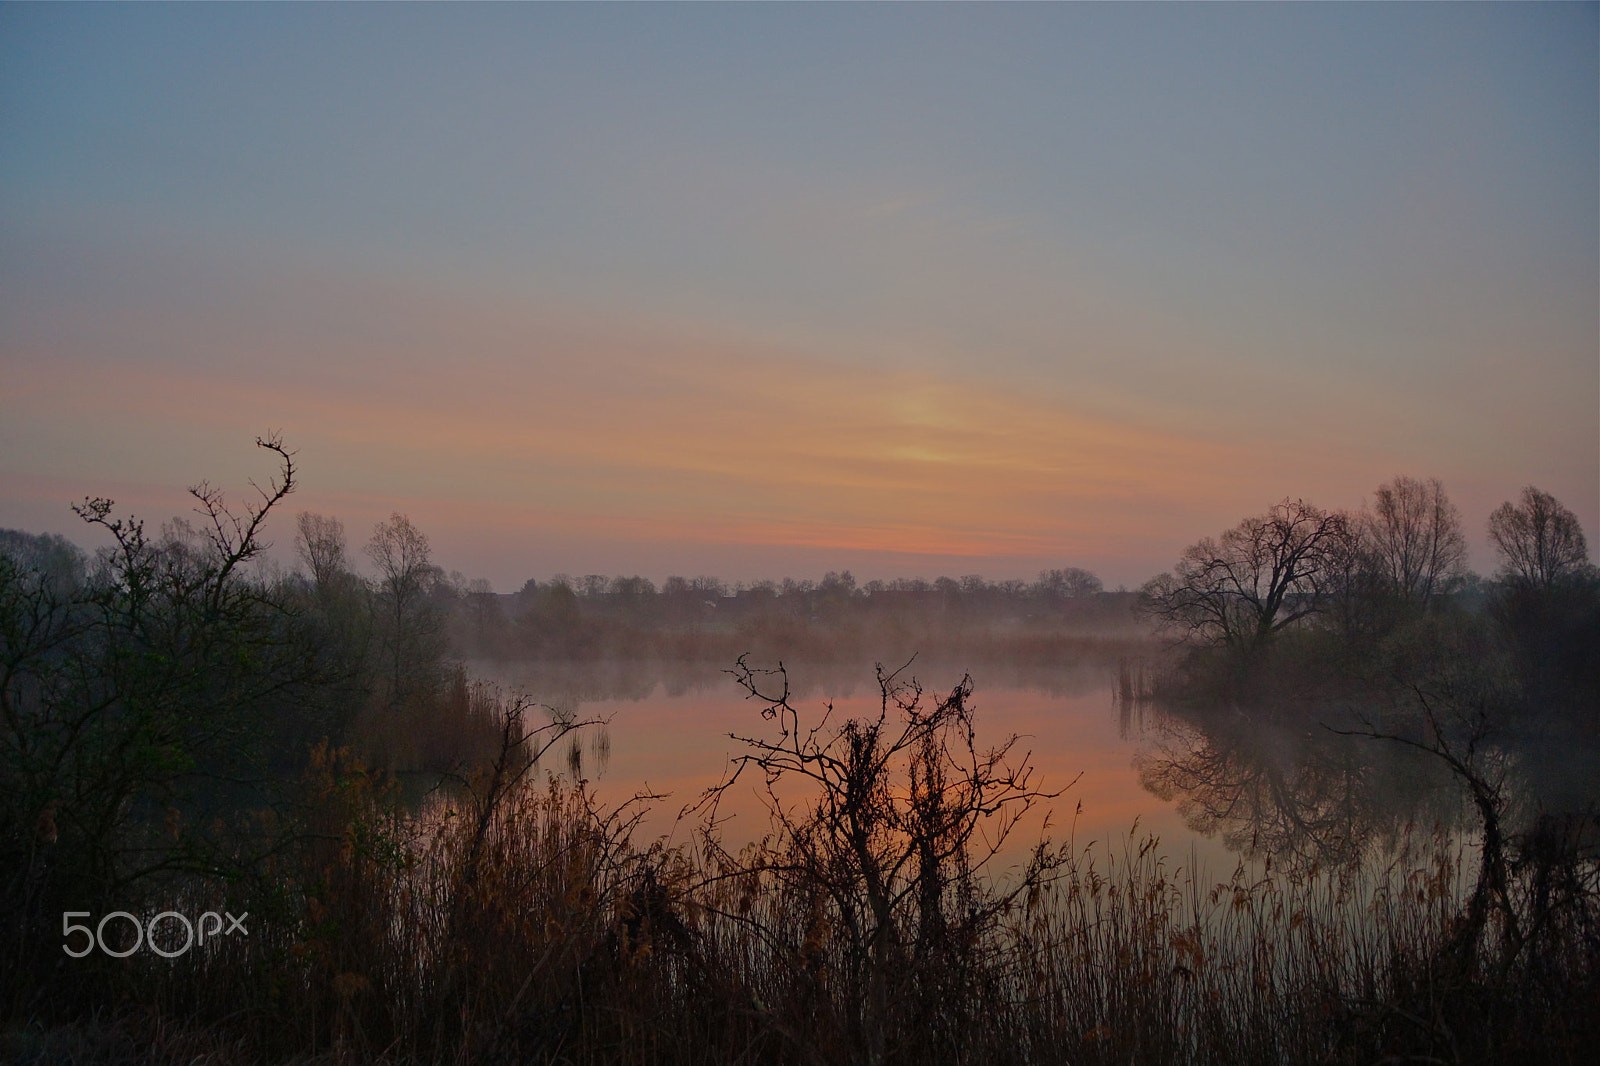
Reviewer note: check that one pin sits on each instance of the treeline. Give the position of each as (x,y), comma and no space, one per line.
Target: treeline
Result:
(1065,613)
(1369,625)
(1345,605)
(704,618)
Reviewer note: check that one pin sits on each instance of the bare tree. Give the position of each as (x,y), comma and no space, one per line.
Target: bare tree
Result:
(1414,536)
(319,541)
(901,814)
(406,575)
(1071,583)
(404,559)
(1268,572)
(235,538)
(1540,542)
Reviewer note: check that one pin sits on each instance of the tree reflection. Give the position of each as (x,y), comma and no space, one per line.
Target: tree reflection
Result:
(1273,784)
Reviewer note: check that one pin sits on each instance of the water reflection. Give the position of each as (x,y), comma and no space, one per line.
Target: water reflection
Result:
(669,726)
(1215,782)
(1282,780)
(563,683)
(1282,785)
(587,747)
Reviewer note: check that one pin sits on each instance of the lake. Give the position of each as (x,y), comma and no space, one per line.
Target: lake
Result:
(668,728)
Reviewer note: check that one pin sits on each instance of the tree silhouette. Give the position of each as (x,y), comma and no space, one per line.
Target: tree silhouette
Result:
(1540,542)
(1265,574)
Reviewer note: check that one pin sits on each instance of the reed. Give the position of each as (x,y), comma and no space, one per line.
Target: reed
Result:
(522,922)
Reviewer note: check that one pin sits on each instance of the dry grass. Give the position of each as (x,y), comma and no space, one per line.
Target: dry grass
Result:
(526,924)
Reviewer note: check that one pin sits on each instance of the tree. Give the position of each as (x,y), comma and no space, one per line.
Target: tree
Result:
(1541,543)
(319,541)
(708,589)
(837,586)
(141,706)
(1414,536)
(1071,583)
(1265,574)
(54,559)
(901,813)
(406,575)
(341,609)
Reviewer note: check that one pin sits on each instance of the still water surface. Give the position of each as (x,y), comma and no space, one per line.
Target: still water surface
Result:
(668,733)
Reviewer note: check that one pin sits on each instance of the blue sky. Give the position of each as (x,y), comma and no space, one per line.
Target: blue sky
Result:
(769,289)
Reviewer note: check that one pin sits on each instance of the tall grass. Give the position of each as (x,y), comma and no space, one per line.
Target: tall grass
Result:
(522,922)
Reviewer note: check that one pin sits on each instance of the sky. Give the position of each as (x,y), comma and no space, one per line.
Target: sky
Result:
(768,290)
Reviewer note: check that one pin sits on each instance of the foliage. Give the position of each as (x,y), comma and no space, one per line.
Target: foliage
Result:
(140,702)
(156,710)
(557,939)
(1494,693)
(704,620)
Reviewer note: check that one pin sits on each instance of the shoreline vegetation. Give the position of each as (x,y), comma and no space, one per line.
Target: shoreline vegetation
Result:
(187,733)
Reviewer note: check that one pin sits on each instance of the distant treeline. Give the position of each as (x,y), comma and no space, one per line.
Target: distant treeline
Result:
(706,618)
(1065,614)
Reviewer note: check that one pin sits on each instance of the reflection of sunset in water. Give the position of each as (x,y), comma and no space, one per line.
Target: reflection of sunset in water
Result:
(678,744)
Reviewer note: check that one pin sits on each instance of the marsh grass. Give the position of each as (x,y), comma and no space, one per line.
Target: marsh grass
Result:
(523,922)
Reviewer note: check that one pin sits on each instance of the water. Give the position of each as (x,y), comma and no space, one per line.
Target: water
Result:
(668,732)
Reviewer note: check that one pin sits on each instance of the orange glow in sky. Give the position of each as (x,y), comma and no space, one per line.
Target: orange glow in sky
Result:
(767,291)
